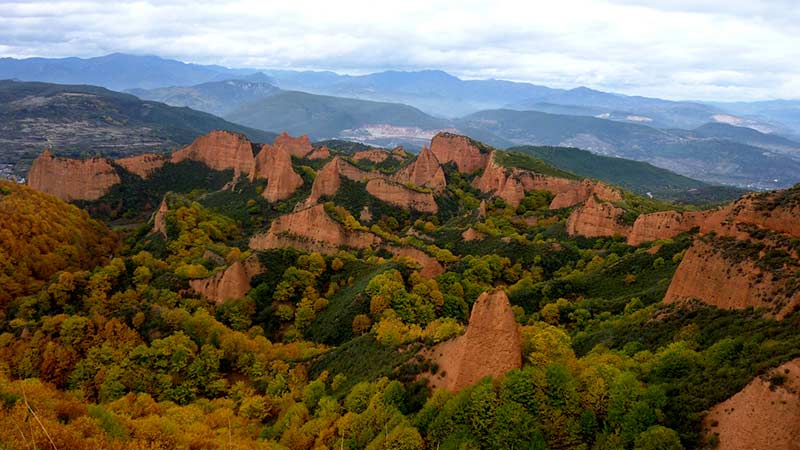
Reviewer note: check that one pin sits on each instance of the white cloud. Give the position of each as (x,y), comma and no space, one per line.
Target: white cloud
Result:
(703,49)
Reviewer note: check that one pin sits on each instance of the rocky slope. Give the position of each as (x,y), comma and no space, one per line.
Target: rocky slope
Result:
(231,283)
(142,165)
(763,415)
(425,170)
(746,258)
(461,150)
(299,146)
(220,150)
(490,347)
(274,163)
(397,194)
(72,179)
(311,229)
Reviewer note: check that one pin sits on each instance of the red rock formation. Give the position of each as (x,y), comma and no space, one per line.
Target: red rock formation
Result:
(327,182)
(220,150)
(429,266)
(232,283)
(396,194)
(72,179)
(461,150)
(500,181)
(311,229)
(707,273)
(374,155)
(664,225)
(299,147)
(490,347)
(760,416)
(425,170)
(275,164)
(596,218)
(471,234)
(159,218)
(319,153)
(142,165)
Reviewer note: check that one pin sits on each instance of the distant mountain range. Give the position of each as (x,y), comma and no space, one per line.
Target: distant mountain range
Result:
(216,97)
(116,71)
(721,143)
(435,92)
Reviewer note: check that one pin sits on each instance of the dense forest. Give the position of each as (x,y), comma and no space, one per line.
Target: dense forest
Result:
(106,343)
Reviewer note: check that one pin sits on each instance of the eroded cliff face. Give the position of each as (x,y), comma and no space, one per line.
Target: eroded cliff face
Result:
(311,229)
(72,179)
(597,218)
(220,150)
(327,181)
(461,150)
(428,265)
(396,194)
(665,225)
(375,155)
(748,260)
(731,274)
(275,164)
(231,283)
(319,153)
(425,170)
(295,146)
(491,346)
(143,165)
(160,218)
(763,415)
(502,182)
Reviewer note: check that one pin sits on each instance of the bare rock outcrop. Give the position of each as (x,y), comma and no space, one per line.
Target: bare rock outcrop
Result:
(502,182)
(143,165)
(160,218)
(319,153)
(715,272)
(664,225)
(229,284)
(744,256)
(220,150)
(275,164)
(311,229)
(328,178)
(396,194)
(296,146)
(491,346)
(597,218)
(72,179)
(428,265)
(425,170)
(763,415)
(374,155)
(471,234)
(461,150)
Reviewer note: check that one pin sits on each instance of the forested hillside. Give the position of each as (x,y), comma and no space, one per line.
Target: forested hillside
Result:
(291,296)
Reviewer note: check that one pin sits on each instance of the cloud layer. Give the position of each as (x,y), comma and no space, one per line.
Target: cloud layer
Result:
(683,49)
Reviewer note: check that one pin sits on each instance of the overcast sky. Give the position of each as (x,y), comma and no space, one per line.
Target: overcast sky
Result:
(680,49)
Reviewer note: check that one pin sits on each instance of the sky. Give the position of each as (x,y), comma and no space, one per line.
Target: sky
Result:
(720,50)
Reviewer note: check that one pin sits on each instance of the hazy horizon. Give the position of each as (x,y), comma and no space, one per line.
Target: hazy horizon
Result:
(686,50)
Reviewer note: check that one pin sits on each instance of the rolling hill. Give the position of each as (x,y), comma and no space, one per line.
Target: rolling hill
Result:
(714,160)
(325,117)
(215,97)
(640,177)
(83,120)
(117,71)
